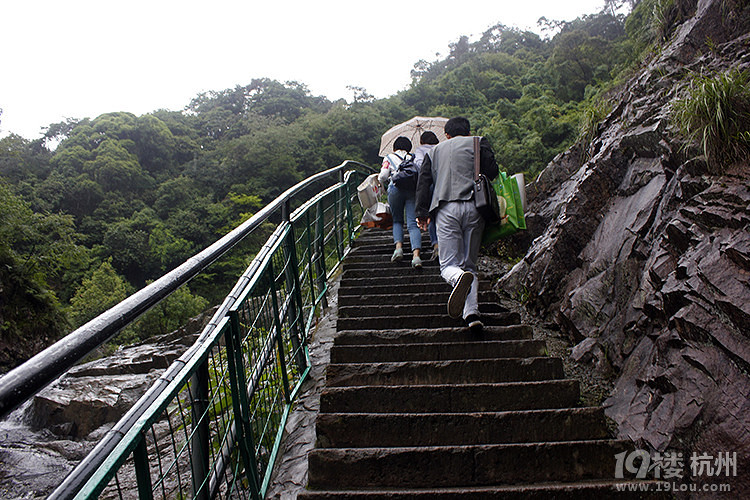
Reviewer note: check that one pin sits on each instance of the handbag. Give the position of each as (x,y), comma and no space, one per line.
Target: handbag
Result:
(485,198)
(378,215)
(369,191)
(512,191)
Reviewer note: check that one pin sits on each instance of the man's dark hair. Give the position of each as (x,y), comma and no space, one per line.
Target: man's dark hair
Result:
(457,126)
(428,137)
(402,144)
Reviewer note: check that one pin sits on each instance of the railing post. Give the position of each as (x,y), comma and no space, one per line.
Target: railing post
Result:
(279,337)
(200,438)
(142,473)
(340,214)
(321,252)
(293,284)
(238,384)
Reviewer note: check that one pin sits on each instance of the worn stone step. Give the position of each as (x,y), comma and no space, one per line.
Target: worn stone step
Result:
(506,396)
(374,235)
(409,336)
(365,287)
(579,490)
(429,308)
(456,466)
(440,320)
(450,397)
(362,280)
(393,271)
(380,261)
(476,371)
(409,297)
(421,351)
(385,248)
(386,430)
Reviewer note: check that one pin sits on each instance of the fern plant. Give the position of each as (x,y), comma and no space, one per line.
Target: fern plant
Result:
(715,112)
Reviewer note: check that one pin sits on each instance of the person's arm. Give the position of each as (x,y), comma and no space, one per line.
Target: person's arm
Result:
(424,195)
(419,156)
(487,163)
(385,171)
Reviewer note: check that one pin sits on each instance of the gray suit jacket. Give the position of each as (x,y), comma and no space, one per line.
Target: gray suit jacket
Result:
(449,166)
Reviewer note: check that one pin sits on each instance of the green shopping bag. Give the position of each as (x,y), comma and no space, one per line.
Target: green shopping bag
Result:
(509,190)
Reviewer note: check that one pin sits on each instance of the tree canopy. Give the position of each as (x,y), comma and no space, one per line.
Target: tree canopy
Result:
(122,199)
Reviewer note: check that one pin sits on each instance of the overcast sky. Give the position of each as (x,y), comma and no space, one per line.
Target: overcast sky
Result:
(82,58)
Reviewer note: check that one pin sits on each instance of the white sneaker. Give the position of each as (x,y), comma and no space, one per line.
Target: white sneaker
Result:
(458,296)
(398,254)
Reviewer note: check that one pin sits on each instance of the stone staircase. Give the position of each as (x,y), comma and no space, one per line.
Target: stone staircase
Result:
(417,406)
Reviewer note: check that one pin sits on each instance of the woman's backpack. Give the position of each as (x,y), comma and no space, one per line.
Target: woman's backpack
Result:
(405,177)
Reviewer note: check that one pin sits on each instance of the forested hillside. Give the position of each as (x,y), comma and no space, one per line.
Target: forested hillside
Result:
(98,207)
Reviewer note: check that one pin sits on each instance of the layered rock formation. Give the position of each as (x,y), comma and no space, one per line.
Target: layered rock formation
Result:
(642,255)
(44,440)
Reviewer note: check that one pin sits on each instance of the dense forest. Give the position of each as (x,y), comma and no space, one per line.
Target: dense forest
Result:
(97,208)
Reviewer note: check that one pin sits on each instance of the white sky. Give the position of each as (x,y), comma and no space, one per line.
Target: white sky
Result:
(82,58)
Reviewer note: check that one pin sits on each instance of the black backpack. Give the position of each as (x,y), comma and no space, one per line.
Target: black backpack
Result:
(406,174)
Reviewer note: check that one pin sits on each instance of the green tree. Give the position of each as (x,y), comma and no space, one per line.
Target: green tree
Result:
(98,292)
(169,314)
(39,261)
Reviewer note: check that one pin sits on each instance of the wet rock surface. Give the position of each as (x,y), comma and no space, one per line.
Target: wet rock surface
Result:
(41,442)
(641,256)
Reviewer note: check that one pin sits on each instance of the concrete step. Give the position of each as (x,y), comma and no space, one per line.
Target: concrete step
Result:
(439,296)
(579,490)
(364,279)
(379,261)
(450,397)
(397,430)
(365,287)
(421,351)
(463,466)
(410,336)
(429,308)
(440,320)
(477,371)
(393,271)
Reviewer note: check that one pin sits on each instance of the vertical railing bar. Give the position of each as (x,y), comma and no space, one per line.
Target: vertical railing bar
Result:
(293,282)
(310,268)
(172,433)
(320,250)
(159,462)
(240,403)
(279,337)
(142,473)
(200,438)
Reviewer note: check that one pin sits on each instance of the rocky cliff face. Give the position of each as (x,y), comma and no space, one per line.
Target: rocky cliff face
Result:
(642,256)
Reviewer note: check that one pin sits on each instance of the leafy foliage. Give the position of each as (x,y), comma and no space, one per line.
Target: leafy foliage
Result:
(140,194)
(715,112)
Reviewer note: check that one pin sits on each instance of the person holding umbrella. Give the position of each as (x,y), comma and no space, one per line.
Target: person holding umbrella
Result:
(450,167)
(400,201)
(427,141)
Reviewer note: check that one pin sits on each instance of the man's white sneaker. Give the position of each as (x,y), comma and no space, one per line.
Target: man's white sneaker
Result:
(458,296)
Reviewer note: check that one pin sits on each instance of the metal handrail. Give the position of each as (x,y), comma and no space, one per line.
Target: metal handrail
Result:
(26,380)
(121,435)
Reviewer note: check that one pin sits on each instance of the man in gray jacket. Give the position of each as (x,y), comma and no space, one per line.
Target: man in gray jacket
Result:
(450,167)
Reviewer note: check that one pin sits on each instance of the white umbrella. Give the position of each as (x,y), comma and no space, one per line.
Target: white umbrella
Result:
(412,130)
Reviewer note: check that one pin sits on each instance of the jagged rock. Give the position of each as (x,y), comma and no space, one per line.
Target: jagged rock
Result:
(645,253)
(586,351)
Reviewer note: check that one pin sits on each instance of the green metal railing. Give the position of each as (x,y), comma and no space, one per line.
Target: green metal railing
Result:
(212,423)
